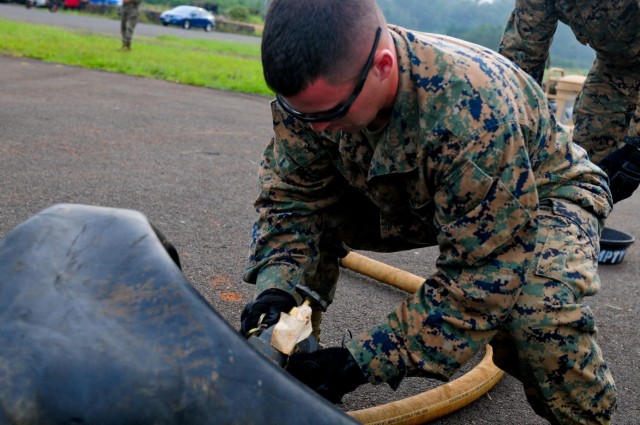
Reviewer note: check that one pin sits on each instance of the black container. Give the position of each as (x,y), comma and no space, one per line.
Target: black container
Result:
(613,246)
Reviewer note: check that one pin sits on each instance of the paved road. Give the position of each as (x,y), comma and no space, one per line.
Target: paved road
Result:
(102,25)
(187,157)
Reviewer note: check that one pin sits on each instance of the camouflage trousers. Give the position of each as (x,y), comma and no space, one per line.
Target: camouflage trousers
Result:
(352,224)
(547,341)
(607,110)
(128,21)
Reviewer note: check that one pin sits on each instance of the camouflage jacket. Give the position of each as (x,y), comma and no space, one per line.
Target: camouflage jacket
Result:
(470,150)
(611,28)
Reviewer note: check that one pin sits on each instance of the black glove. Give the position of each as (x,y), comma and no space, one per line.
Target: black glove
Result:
(331,372)
(270,302)
(623,168)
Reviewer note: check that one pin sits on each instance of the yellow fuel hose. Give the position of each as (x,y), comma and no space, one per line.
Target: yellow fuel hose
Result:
(434,403)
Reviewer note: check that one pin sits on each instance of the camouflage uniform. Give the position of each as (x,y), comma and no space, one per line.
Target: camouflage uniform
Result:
(128,21)
(472,161)
(606,112)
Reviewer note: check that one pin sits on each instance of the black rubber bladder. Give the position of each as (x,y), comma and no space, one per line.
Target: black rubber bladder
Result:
(98,325)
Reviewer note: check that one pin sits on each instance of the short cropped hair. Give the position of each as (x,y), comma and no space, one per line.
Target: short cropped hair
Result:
(307,39)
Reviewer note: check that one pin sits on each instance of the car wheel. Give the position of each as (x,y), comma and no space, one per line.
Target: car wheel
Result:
(164,24)
(186,25)
(208,27)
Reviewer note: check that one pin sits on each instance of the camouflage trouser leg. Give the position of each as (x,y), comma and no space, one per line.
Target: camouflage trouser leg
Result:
(552,333)
(605,109)
(128,21)
(352,224)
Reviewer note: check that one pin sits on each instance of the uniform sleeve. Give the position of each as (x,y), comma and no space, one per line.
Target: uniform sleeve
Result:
(297,182)
(486,205)
(528,35)
(633,135)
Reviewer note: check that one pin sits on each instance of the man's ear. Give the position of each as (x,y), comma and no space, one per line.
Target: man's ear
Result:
(384,64)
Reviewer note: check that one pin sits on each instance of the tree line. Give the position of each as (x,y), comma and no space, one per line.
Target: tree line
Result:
(481,22)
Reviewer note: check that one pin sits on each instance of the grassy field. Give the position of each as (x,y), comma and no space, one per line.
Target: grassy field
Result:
(207,63)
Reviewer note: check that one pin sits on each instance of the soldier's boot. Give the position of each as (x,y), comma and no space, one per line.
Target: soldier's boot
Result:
(126,46)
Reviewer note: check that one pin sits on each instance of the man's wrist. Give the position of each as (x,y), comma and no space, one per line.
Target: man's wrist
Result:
(279,276)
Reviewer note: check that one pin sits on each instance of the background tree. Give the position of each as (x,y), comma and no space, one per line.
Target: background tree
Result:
(479,21)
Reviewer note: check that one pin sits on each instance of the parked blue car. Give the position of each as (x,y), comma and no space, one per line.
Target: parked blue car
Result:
(188,17)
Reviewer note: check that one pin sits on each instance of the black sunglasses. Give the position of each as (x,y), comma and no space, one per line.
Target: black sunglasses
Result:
(340,110)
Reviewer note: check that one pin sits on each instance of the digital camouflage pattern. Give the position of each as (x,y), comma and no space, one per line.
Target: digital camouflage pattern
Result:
(129,20)
(606,113)
(469,155)
(548,340)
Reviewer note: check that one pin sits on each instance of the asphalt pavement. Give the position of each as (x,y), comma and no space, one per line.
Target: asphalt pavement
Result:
(187,158)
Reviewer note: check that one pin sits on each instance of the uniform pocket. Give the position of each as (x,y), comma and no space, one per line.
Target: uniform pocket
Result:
(479,214)
(566,254)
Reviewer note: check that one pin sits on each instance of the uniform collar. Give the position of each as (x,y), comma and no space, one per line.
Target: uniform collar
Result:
(398,148)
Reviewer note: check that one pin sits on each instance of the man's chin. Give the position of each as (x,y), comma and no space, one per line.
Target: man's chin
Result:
(353,129)
(349,129)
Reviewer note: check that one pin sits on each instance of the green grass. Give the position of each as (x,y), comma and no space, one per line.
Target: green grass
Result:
(207,63)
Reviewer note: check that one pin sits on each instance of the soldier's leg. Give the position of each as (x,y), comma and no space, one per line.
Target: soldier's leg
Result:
(323,278)
(123,21)
(132,21)
(352,224)
(604,109)
(553,332)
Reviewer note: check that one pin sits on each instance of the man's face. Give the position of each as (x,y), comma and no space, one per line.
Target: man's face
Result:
(334,106)
(322,97)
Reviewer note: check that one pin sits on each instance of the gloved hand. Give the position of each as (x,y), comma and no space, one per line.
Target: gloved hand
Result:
(270,302)
(623,168)
(331,372)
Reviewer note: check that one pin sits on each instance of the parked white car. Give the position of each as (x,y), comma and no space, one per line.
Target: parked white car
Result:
(38,3)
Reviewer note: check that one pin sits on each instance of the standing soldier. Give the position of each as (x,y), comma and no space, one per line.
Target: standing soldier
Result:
(128,21)
(607,112)
(388,139)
